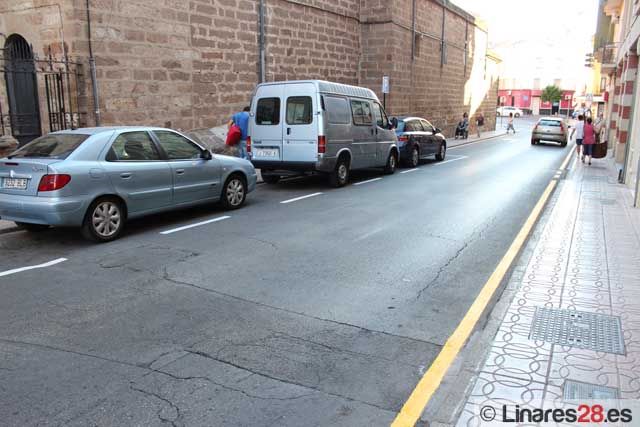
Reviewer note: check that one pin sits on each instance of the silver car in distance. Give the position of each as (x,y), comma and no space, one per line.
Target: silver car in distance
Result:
(97,178)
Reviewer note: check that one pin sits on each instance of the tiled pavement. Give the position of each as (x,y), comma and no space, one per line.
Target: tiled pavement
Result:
(585,258)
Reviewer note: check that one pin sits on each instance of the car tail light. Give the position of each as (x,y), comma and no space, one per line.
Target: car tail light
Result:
(53,182)
(322,144)
(562,126)
(403,138)
(248,144)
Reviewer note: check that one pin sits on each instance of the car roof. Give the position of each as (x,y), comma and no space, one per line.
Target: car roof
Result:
(559,119)
(100,129)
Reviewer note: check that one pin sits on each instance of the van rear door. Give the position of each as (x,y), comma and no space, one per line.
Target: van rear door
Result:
(301,123)
(266,123)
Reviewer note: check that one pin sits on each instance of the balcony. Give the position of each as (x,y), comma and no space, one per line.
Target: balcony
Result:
(606,55)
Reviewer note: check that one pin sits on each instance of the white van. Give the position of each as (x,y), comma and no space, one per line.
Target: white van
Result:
(318,126)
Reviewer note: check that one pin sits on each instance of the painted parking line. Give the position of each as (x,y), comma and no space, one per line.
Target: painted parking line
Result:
(367,181)
(452,160)
(197,224)
(32,267)
(284,202)
(430,381)
(410,170)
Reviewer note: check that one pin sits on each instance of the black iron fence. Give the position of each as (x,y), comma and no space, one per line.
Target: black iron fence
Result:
(39,95)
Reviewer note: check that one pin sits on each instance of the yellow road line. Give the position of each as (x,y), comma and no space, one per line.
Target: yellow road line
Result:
(429,383)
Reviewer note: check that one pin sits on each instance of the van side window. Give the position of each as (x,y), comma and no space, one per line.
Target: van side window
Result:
(361,112)
(337,110)
(299,109)
(381,118)
(268,111)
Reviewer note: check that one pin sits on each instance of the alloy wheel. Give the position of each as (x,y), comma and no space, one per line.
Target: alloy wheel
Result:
(235,192)
(106,219)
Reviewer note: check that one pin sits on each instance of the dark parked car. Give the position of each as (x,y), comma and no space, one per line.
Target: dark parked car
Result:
(419,139)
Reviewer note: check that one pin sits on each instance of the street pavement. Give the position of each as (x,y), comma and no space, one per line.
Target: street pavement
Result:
(310,305)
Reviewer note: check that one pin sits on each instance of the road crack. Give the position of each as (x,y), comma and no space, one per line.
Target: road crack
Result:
(475,235)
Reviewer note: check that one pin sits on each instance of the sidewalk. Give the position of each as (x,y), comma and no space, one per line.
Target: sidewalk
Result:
(568,322)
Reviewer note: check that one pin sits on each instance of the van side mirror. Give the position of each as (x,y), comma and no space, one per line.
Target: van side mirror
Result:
(206,155)
(437,130)
(393,123)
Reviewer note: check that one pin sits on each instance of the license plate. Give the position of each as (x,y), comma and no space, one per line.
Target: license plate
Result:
(266,152)
(15,183)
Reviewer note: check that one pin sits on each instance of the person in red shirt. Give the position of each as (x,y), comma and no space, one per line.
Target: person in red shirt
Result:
(589,140)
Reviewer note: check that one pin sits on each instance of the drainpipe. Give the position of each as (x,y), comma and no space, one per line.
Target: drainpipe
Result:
(261,43)
(92,67)
(413,31)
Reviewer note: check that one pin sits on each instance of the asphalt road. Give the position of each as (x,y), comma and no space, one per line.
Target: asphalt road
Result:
(321,311)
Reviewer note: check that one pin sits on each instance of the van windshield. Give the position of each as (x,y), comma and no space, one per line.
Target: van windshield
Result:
(55,146)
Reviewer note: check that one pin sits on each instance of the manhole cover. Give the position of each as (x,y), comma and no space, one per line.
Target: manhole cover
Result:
(575,390)
(580,329)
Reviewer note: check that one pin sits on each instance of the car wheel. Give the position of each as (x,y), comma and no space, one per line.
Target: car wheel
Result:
(32,227)
(270,179)
(563,144)
(340,176)
(414,159)
(104,220)
(234,192)
(392,163)
(534,142)
(440,155)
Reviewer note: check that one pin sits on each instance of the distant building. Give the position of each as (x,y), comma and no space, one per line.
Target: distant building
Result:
(528,100)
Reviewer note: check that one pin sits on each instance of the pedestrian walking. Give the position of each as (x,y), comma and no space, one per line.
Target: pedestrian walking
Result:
(510,124)
(588,141)
(241,119)
(479,123)
(578,130)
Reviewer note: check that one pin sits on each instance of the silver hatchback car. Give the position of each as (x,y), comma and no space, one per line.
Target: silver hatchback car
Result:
(96,178)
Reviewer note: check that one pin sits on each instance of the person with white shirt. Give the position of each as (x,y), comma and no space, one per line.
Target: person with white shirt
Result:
(578,130)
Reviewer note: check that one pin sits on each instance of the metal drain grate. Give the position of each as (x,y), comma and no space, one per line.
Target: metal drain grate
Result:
(590,331)
(575,390)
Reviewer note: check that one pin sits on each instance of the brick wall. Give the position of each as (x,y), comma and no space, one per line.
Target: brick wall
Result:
(191,64)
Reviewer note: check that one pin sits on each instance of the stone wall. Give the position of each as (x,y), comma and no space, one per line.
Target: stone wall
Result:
(191,64)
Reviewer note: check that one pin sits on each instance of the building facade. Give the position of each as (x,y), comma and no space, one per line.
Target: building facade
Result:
(616,51)
(188,65)
(529,101)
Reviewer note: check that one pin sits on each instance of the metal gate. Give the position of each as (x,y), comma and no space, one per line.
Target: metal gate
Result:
(57,82)
(22,91)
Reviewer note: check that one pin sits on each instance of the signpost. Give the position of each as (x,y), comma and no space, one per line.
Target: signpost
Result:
(385,91)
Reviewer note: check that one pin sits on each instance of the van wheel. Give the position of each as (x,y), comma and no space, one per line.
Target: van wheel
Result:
(440,155)
(392,163)
(270,179)
(32,227)
(104,220)
(414,159)
(340,176)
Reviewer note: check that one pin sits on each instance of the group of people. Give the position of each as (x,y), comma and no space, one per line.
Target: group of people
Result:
(463,125)
(587,134)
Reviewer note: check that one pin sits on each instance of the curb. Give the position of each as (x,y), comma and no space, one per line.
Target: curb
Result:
(9,230)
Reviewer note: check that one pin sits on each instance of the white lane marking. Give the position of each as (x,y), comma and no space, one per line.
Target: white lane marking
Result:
(46,264)
(410,170)
(300,198)
(197,224)
(452,160)
(367,181)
